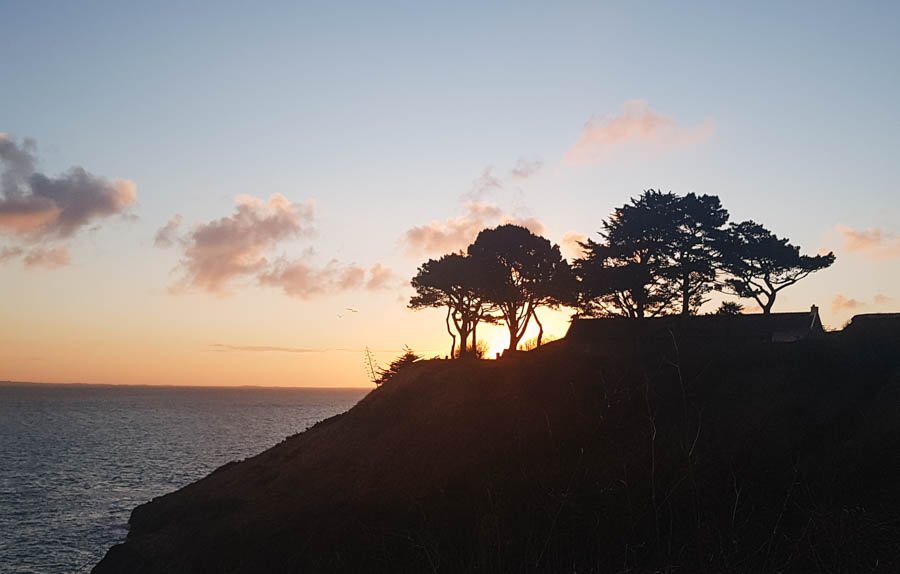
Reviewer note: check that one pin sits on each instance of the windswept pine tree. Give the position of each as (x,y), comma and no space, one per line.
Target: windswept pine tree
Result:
(760,264)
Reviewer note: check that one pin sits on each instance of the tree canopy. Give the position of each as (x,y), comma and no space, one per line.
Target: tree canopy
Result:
(760,264)
(460,283)
(526,271)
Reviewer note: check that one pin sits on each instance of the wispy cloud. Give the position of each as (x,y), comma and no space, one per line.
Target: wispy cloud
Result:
(302,279)
(36,209)
(637,123)
(841,303)
(222,348)
(456,233)
(47,258)
(167,235)
(873,242)
(881,299)
(263,349)
(480,209)
(569,246)
(10,253)
(484,185)
(525,169)
(380,277)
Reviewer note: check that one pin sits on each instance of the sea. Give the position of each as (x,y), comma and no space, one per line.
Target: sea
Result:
(76,459)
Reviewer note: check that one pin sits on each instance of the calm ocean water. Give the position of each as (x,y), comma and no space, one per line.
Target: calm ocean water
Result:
(75,460)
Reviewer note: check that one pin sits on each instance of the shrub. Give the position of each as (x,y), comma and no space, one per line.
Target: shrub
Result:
(399,364)
(479,352)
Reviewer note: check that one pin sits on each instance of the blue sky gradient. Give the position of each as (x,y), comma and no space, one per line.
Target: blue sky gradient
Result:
(384,114)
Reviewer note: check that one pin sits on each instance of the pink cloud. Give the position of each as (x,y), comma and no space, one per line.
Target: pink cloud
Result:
(873,242)
(637,123)
(881,299)
(217,252)
(303,280)
(570,244)
(841,303)
(456,233)
(381,277)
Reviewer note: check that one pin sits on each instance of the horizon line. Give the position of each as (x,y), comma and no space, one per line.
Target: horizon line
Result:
(158,385)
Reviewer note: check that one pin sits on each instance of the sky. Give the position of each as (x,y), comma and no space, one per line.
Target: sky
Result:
(214,193)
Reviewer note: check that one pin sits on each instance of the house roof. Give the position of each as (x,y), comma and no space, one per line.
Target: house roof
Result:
(776,327)
(888,323)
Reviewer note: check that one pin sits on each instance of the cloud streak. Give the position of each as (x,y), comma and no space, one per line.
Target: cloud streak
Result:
(873,243)
(636,124)
(222,348)
(47,258)
(37,209)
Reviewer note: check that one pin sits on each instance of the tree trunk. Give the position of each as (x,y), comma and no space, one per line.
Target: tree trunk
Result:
(475,338)
(685,294)
(770,302)
(513,341)
(452,334)
(464,340)
(540,328)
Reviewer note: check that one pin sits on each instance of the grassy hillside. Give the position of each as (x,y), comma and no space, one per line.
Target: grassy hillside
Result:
(670,459)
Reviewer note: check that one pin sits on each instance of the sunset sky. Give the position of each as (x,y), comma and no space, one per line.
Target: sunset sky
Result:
(200,193)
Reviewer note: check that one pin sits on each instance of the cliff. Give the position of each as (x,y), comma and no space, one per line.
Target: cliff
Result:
(675,457)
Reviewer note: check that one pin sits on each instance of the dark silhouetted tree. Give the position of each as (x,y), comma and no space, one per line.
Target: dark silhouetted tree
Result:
(525,272)
(697,222)
(629,273)
(614,284)
(459,283)
(760,264)
(658,256)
